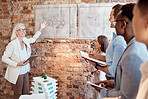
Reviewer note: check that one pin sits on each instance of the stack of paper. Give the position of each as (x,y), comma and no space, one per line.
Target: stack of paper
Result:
(47,86)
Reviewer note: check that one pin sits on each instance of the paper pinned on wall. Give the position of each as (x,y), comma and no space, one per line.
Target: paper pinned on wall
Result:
(61,20)
(94,20)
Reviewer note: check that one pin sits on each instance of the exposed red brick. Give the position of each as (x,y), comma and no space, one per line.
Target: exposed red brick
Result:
(15,16)
(4,0)
(25,8)
(69,86)
(72,1)
(48,54)
(25,11)
(69,78)
(88,1)
(76,60)
(61,1)
(1,76)
(6,25)
(5,29)
(75,86)
(78,98)
(69,94)
(72,97)
(1,17)
(4,4)
(59,97)
(2,91)
(6,12)
(4,69)
(5,21)
(9,88)
(37,46)
(6,17)
(5,8)
(32,24)
(22,0)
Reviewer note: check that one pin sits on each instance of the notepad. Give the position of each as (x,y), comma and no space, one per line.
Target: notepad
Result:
(31,58)
(94,84)
(85,55)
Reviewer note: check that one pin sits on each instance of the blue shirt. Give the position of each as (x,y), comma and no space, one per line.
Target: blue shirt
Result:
(114,52)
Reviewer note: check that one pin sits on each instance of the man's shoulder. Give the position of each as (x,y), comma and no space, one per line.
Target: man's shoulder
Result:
(138,46)
(137,49)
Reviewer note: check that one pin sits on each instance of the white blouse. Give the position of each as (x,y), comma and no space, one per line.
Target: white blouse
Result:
(24,55)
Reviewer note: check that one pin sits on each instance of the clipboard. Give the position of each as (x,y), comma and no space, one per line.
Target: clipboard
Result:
(94,84)
(31,58)
(100,63)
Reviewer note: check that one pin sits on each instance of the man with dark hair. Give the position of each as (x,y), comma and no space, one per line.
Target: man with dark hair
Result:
(140,27)
(127,77)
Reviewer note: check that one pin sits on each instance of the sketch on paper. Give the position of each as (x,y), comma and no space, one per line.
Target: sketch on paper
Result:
(54,22)
(94,20)
(61,20)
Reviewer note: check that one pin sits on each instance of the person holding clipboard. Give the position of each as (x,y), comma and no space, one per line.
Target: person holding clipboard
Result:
(15,55)
(100,44)
(114,50)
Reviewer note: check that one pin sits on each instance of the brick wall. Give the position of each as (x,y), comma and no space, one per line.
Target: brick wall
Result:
(59,58)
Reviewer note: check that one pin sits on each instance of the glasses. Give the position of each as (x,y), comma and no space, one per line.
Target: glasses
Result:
(114,22)
(21,30)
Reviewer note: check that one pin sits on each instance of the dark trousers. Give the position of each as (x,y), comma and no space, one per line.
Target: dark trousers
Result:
(22,86)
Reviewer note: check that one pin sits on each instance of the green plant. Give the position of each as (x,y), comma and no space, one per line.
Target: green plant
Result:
(44,76)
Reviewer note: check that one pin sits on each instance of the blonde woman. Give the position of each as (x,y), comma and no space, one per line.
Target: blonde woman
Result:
(17,51)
